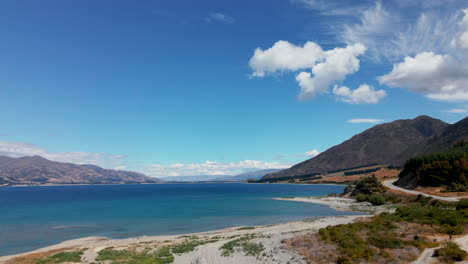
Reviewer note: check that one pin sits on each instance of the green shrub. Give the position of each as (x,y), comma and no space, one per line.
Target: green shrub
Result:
(376,199)
(361,197)
(462,204)
(61,257)
(356,241)
(132,257)
(190,245)
(444,217)
(450,253)
(382,241)
(368,185)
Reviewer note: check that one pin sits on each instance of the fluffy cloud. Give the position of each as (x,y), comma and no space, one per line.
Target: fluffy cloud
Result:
(21,149)
(439,77)
(211,168)
(364,94)
(312,153)
(339,62)
(365,120)
(284,56)
(220,17)
(327,67)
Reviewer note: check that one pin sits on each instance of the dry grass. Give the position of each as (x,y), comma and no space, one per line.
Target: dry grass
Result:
(381,174)
(315,250)
(34,257)
(439,191)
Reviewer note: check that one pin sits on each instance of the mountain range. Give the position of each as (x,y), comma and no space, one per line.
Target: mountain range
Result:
(221,178)
(255,175)
(38,170)
(385,144)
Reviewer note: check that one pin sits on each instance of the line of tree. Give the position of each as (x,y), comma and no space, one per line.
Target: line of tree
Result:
(446,168)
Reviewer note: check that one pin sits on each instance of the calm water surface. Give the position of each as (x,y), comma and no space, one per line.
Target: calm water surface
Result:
(34,217)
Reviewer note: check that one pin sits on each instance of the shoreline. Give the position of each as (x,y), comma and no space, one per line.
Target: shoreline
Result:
(275,233)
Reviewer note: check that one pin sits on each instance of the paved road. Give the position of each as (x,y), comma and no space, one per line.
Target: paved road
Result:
(390,185)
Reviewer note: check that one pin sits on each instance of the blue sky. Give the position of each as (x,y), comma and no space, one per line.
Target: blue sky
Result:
(221,87)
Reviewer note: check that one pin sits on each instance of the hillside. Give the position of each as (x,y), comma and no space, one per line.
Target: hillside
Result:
(388,144)
(446,168)
(38,170)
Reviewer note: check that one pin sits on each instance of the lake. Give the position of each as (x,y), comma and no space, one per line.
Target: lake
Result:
(38,216)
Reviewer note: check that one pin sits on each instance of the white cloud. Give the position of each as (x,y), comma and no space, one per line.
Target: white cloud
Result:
(439,77)
(284,56)
(21,149)
(375,23)
(220,17)
(339,63)
(332,8)
(211,168)
(364,94)
(392,35)
(327,67)
(364,120)
(461,40)
(456,110)
(312,153)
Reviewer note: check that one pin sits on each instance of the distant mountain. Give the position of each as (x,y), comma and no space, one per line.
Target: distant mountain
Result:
(387,144)
(38,170)
(191,178)
(256,175)
(220,178)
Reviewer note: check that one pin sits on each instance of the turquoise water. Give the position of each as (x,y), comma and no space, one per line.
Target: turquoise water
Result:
(34,217)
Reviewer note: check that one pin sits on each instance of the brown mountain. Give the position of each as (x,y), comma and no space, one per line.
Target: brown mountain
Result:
(387,144)
(38,170)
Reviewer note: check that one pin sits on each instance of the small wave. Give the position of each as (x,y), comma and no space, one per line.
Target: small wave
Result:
(65,227)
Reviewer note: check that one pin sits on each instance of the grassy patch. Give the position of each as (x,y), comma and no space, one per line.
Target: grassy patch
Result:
(242,244)
(163,256)
(190,245)
(61,257)
(252,249)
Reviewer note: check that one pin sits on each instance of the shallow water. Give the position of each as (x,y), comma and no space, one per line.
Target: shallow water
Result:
(34,217)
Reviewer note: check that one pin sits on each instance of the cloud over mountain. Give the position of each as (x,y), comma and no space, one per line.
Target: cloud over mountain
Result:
(21,149)
(211,168)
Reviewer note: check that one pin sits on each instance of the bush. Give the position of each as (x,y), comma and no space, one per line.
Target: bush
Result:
(450,252)
(376,199)
(445,217)
(368,185)
(361,197)
(62,257)
(462,204)
(382,241)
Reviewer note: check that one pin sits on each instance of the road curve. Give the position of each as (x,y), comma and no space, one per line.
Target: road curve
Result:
(389,184)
